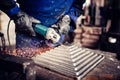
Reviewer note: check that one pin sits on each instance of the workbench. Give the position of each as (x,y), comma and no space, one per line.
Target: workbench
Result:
(107,69)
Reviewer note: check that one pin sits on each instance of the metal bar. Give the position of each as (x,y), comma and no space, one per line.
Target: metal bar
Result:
(89,69)
(56,62)
(56,56)
(77,54)
(62,53)
(81,56)
(89,65)
(75,51)
(59,54)
(51,55)
(82,60)
(56,67)
(74,48)
(71,46)
(85,62)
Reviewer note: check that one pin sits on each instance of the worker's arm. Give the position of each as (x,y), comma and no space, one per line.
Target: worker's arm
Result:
(22,21)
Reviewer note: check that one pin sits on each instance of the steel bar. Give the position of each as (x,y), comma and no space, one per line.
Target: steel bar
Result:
(81,56)
(56,67)
(78,53)
(82,60)
(89,65)
(89,60)
(59,63)
(89,69)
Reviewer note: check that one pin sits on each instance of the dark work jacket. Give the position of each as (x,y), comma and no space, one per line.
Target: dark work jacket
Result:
(47,11)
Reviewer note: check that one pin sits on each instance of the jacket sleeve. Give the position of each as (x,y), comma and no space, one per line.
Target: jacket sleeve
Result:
(9,7)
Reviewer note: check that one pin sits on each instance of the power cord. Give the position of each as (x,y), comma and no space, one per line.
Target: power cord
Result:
(8,32)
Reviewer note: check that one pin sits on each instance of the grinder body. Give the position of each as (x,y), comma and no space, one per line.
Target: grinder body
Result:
(48,32)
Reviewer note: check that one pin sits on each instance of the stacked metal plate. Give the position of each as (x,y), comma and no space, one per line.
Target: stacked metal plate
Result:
(72,61)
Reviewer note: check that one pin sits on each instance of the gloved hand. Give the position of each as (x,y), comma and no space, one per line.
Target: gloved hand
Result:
(23,22)
(63,25)
(87,36)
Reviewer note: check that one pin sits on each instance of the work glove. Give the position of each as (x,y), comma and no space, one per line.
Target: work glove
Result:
(23,22)
(64,24)
(62,27)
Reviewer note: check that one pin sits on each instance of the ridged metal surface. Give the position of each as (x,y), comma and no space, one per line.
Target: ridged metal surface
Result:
(72,61)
